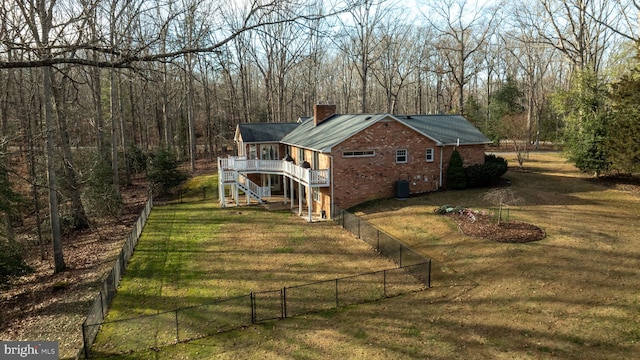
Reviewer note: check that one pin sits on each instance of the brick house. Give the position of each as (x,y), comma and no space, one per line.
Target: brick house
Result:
(340,160)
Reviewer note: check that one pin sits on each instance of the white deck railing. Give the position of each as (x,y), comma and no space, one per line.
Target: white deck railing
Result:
(260,191)
(228,166)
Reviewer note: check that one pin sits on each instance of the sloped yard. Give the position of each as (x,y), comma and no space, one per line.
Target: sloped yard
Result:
(572,295)
(194,252)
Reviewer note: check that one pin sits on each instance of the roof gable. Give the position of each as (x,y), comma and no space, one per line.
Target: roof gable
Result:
(332,131)
(263,132)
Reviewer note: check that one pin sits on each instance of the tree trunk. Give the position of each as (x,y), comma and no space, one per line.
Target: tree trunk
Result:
(124,139)
(190,114)
(115,113)
(80,219)
(54,214)
(32,156)
(99,114)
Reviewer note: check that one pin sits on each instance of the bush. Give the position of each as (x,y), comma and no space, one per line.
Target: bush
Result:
(487,174)
(12,263)
(163,173)
(137,159)
(100,195)
(456,177)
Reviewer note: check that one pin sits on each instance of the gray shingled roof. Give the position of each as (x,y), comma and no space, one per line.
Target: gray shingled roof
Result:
(264,132)
(443,129)
(446,129)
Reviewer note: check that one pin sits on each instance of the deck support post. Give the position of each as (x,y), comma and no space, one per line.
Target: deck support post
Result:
(309,196)
(300,196)
(286,185)
(292,191)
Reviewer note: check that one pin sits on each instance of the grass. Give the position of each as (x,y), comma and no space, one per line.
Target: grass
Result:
(192,252)
(573,295)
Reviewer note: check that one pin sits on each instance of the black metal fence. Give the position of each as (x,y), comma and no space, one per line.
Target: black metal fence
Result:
(102,302)
(382,242)
(171,327)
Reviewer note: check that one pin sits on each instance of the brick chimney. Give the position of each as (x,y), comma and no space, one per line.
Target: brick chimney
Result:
(321,112)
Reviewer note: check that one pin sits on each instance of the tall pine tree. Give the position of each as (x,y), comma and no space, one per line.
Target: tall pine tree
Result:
(586,117)
(624,126)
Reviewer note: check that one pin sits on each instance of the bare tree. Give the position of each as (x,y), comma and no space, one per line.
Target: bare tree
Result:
(359,41)
(278,49)
(576,28)
(463,32)
(59,92)
(502,197)
(39,19)
(396,58)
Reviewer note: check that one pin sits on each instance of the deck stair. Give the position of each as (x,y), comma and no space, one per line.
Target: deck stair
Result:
(252,189)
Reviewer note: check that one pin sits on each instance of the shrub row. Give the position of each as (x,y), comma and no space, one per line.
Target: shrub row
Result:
(487,174)
(475,176)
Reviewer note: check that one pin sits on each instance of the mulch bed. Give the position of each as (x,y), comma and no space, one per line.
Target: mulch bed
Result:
(508,232)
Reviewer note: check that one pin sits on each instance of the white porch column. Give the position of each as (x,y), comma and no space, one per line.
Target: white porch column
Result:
(309,196)
(236,195)
(286,185)
(310,203)
(300,198)
(221,183)
(291,187)
(221,192)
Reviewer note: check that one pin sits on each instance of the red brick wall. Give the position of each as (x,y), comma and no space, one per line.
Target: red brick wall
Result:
(366,178)
(360,179)
(471,155)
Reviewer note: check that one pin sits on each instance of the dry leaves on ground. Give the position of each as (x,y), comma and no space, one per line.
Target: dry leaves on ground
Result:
(48,306)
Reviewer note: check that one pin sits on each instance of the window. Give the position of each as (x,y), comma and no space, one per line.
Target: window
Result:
(300,156)
(401,156)
(316,160)
(316,194)
(253,152)
(269,152)
(358,153)
(430,153)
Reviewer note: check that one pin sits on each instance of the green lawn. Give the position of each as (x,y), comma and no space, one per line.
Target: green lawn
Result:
(193,252)
(573,295)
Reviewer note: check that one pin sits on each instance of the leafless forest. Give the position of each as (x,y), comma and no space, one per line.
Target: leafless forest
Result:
(87,87)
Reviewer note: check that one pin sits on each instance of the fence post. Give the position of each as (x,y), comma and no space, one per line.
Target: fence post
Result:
(337,302)
(253,306)
(284,302)
(359,229)
(101,305)
(384,283)
(429,278)
(177,328)
(84,339)
(378,240)
(400,255)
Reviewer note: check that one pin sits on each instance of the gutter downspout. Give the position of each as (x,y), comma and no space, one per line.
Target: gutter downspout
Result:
(441,169)
(331,202)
